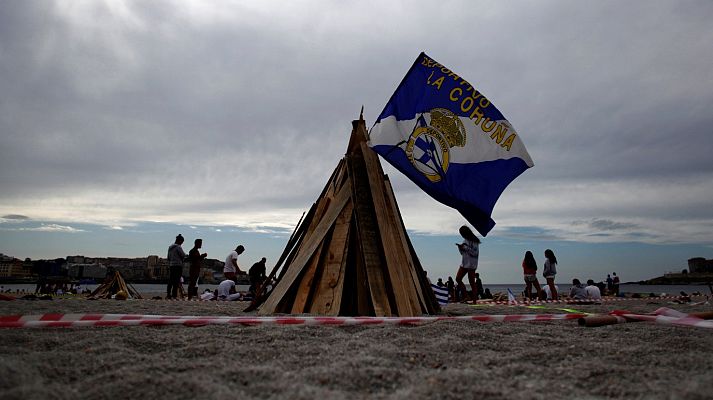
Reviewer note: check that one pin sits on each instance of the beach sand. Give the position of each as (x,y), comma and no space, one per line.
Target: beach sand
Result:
(444,360)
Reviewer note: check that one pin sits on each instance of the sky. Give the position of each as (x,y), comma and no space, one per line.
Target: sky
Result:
(124,123)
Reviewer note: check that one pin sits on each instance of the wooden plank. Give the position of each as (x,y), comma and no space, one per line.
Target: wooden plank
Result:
(306,284)
(327,298)
(397,260)
(403,239)
(368,235)
(310,245)
(363,304)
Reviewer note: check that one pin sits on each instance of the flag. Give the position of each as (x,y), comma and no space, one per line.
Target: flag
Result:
(441,293)
(449,139)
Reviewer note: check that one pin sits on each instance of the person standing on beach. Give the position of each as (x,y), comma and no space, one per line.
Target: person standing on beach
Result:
(452,289)
(176,256)
(231,268)
(615,284)
(479,286)
(610,284)
(550,271)
(196,260)
(529,269)
(470,252)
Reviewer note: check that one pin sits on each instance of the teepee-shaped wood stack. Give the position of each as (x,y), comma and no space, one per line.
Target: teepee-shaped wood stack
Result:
(351,254)
(111,286)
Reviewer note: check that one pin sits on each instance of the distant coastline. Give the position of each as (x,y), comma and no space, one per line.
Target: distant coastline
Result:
(679,279)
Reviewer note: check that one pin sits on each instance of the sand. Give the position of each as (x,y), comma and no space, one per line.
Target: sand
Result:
(444,360)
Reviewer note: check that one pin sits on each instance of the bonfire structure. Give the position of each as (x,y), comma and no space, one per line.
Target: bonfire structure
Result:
(113,284)
(351,255)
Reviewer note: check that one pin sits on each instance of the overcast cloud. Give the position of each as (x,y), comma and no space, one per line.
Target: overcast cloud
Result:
(236,113)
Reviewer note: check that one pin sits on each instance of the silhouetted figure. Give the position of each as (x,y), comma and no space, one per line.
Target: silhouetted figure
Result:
(196,260)
(176,256)
(451,285)
(529,269)
(257,276)
(615,284)
(478,286)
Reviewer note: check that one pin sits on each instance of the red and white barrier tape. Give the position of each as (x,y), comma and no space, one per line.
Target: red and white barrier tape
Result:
(69,320)
(572,301)
(667,316)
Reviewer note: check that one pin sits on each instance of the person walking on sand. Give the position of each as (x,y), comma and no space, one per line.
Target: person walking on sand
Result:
(231,268)
(550,271)
(610,284)
(529,269)
(176,256)
(196,260)
(470,252)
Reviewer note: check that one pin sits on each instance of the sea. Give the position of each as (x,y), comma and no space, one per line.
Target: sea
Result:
(151,289)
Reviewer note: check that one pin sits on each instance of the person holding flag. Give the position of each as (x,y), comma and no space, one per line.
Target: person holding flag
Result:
(470,251)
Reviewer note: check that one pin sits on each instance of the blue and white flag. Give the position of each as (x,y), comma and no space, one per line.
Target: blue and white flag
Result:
(449,139)
(441,293)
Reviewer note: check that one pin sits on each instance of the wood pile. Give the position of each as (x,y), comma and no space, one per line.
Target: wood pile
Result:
(111,286)
(351,254)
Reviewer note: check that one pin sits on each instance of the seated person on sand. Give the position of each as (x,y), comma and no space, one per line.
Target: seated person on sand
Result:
(577,291)
(593,292)
(208,295)
(547,293)
(683,298)
(227,291)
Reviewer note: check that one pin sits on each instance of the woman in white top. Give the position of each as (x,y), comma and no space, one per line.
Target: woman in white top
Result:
(550,271)
(469,250)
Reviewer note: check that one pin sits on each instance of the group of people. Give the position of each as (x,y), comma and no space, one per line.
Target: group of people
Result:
(469,250)
(529,268)
(227,289)
(59,288)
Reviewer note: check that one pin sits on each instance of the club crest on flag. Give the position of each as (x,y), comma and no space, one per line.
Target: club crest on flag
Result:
(450,140)
(429,145)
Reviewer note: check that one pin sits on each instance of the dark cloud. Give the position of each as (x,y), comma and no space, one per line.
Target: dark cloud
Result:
(168,110)
(606,224)
(16,217)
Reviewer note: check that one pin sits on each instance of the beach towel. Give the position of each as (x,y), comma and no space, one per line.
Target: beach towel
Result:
(441,293)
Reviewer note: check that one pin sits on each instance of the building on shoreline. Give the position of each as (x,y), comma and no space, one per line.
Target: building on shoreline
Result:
(141,269)
(700,265)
